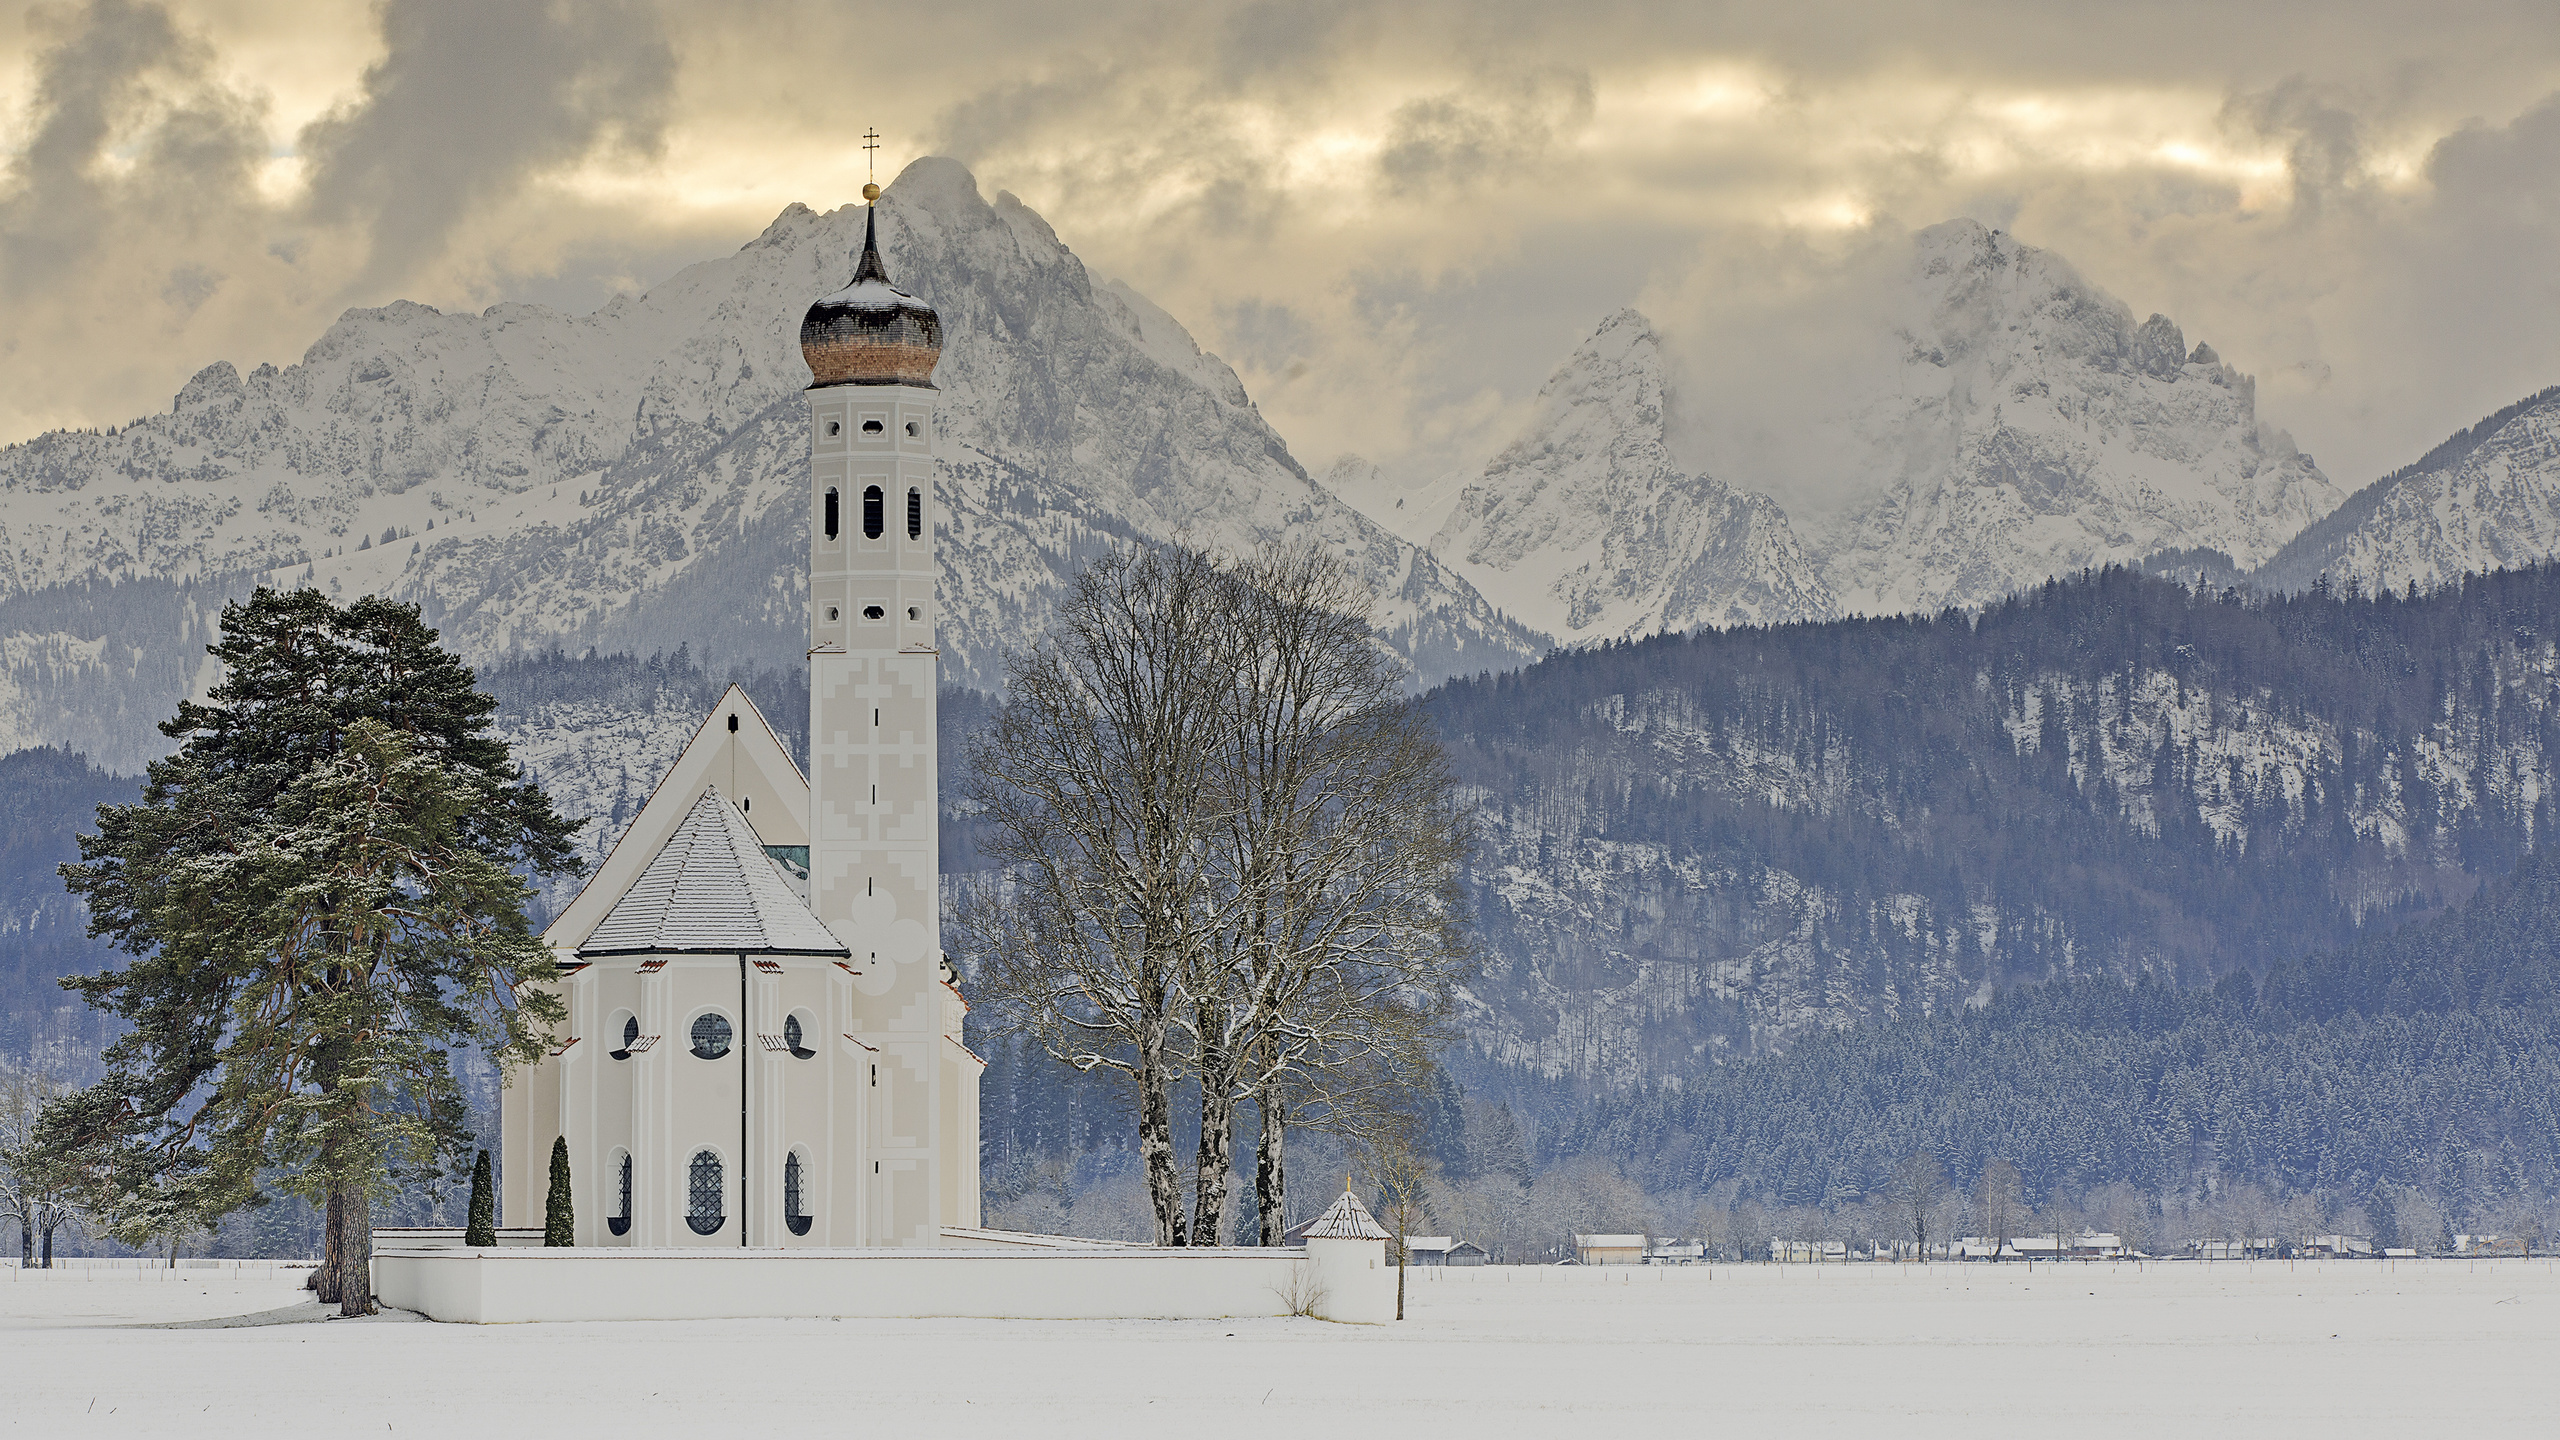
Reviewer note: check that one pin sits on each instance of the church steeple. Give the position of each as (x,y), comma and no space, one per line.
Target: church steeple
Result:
(871,332)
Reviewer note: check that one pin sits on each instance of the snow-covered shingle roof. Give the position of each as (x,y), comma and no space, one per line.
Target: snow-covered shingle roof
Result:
(1348,1219)
(711,890)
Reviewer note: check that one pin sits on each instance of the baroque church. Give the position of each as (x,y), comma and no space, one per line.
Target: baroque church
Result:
(763,1044)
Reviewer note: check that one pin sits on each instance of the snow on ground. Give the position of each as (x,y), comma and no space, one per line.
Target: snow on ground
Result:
(2266,1350)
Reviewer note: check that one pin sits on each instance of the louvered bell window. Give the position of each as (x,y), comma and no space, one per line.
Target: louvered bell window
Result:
(702,1194)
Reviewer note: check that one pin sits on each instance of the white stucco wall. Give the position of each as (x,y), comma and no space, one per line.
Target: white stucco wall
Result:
(1349,1279)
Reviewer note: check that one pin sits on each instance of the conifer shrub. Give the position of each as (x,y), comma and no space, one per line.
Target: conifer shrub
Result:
(559,1225)
(482,1227)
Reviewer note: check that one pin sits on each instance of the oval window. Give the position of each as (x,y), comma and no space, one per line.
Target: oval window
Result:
(874,612)
(870,427)
(795,1033)
(630,1028)
(914,430)
(710,1035)
(835,427)
(873,503)
(702,1189)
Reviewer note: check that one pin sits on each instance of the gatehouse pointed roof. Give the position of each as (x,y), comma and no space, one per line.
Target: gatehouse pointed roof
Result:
(711,890)
(1348,1219)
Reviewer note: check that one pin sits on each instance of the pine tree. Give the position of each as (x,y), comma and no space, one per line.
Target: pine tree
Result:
(559,1223)
(323,896)
(482,1228)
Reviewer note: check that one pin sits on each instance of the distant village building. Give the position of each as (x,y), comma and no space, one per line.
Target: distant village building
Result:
(1426,1249)
(1467,1252)
(1676,1252)
(1807,1252)
(1608,1249)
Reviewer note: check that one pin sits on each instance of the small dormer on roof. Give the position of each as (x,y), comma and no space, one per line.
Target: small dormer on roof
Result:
(1346,1219)
(711,890)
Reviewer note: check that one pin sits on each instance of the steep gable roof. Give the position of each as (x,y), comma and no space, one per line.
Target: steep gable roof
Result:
(1346,1219)
(711,889)
(749,763)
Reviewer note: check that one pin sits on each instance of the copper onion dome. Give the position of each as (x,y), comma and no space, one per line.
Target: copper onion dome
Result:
(871,332)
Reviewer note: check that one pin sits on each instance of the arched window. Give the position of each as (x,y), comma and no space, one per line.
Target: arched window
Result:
(795,1210)
(710,1035)
(872,520)
(915,514)
(831,512)
(630,1029)
(619,1222)
(792,1033)
(702,1194)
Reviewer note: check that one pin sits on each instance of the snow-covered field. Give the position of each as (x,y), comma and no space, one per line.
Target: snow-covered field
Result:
(2434,1348)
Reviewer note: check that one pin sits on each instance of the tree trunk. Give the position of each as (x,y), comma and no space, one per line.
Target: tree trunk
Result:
(355,1251)
(26,1243)
(1217,1148)
(48,1247)
(1270,1190)
(327,1290)
(1155,1133)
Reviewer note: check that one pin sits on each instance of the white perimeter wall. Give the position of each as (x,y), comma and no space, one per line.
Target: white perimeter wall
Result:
(1348,1280)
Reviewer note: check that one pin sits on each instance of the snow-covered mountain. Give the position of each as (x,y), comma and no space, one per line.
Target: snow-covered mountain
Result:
(1586,529)
(2017,424)
(633,478)
(2486,498)
(2033,429)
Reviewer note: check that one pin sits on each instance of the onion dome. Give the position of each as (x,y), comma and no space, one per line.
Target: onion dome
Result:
(871,332)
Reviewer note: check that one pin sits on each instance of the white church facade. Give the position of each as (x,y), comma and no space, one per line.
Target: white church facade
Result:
(767,1104)
(764,1045)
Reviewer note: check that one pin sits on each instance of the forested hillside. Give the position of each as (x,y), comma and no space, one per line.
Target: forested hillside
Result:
(1702,846)
(2412,1069)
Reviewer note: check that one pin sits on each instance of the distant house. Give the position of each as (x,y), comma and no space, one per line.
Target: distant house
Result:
(2259,1249)
(2087,1245)
(1426,1249)
(1808,1252)
(1676,1252)
(2342,1247)
(1467,1252)
(1608,1249)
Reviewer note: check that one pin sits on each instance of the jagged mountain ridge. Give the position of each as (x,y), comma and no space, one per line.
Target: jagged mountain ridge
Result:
(632,479)
(2487,498)
(1585,528)
(2030,428)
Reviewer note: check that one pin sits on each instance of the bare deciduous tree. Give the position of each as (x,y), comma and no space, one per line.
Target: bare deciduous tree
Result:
(1997,1207)
(1919,1184)
(1227,853)
(33,1193)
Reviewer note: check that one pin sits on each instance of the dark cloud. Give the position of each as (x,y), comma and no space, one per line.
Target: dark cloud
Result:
(1457,139)
(122,81)
(475,98)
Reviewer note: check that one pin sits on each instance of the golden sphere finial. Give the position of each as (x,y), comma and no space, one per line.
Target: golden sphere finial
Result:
(870,194)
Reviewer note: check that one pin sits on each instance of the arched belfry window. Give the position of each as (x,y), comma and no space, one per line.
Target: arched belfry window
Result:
(702,1194)
(619,1222)
(872,519)
(915,514)
(795,1208)
(831,512)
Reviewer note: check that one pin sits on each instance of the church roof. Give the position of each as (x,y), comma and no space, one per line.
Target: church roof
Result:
(1348,1219)
(711,890)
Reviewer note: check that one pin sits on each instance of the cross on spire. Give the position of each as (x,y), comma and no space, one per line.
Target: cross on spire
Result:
(871,154)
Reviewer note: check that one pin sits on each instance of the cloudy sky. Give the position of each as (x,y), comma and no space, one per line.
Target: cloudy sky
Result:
(1394,219)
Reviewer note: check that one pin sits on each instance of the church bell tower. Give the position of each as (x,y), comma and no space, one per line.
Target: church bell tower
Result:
(874,864)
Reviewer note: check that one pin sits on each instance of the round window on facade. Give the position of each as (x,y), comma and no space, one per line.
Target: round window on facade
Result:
(619,1222)
(796,1028)
(702,1198)
(624,1027)
(914,430)
(795,1204)
(870,427)
(835,427)
(710,1035)
(915,612)
(874,612)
